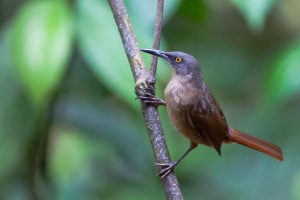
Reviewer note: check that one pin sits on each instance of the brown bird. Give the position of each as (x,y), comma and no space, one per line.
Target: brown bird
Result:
(195,112)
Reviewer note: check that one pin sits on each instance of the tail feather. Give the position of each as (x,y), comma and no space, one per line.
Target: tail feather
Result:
(255,143)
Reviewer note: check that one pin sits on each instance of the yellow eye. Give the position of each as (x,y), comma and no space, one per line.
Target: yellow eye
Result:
(177,59)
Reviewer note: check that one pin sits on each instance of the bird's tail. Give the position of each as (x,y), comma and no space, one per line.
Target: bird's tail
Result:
(255,143)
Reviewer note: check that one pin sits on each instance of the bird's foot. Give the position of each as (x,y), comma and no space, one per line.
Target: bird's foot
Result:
(151,99)
(167,168)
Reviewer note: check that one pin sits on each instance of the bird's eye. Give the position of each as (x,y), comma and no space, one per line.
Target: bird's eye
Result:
(177,59)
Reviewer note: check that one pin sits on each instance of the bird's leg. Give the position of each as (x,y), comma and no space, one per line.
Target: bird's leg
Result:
(149,98)
(168,167)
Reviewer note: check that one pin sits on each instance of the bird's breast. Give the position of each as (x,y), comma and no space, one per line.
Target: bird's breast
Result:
(178,95)
(180,91)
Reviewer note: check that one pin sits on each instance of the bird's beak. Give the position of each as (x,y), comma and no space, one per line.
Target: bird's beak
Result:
(157,53)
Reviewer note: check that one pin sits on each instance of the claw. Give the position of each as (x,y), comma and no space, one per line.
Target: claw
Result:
(151,99)
(167,169)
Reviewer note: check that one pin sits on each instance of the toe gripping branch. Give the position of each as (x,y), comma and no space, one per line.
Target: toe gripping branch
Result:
(142,91)
(167,168)
(149,98)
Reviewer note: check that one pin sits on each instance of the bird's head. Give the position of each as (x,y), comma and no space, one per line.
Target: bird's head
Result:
(181,63)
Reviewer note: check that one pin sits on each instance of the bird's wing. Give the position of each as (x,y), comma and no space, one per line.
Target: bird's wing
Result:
(209,122)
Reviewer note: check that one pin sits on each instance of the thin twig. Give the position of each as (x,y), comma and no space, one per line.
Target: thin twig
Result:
(144,84)
(157,35)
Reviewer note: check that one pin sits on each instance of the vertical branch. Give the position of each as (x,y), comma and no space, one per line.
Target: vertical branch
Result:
(157,35)
(144,83)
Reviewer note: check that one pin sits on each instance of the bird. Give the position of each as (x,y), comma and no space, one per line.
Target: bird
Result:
(195,113)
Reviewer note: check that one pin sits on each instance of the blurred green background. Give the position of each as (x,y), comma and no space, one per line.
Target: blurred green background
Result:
(71,129)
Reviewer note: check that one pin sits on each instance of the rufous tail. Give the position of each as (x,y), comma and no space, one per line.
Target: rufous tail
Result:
(255,143)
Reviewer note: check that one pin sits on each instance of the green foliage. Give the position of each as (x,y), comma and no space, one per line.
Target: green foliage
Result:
(196,10)
(295,187)
(16,116)
(98,40)
(97,145)
(254,11)
(284,81)
(41,41)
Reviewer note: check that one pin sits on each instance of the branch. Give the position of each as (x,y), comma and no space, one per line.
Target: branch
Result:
(157,34)
(144,84)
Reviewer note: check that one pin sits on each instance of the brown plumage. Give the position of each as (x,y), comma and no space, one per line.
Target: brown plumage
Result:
(195,112)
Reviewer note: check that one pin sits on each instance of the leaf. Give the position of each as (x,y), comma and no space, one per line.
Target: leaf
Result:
(41,41)
(255,11)
(101,46)
(144,20)
(16,117)
(284,81)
